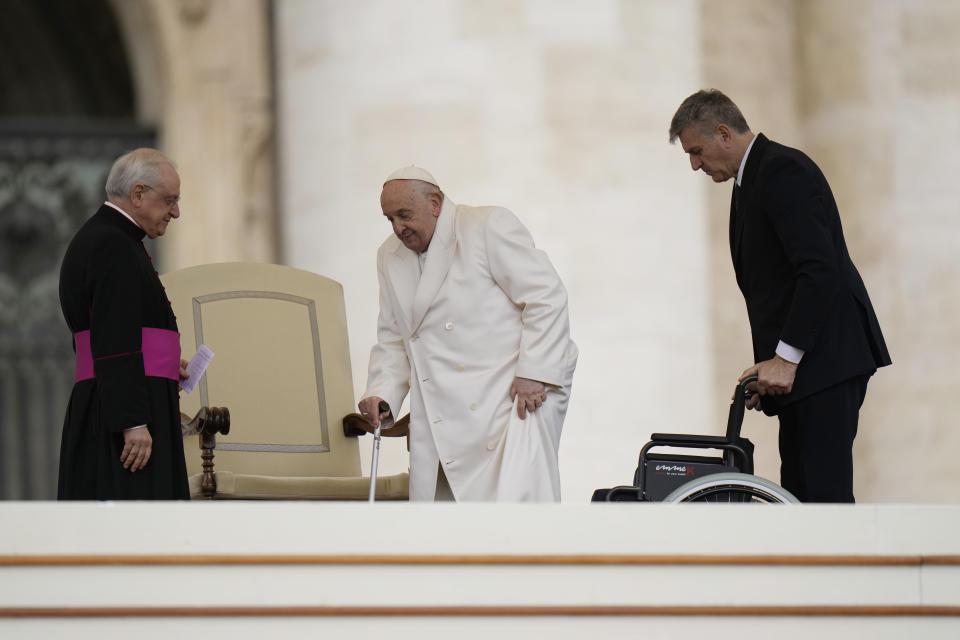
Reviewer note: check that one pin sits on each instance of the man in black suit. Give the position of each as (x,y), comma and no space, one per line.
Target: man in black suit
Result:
(816,339)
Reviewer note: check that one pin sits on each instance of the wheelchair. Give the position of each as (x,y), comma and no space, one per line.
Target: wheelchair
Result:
(725,477)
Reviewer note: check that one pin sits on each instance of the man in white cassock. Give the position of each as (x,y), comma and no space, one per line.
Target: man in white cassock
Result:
(473,323)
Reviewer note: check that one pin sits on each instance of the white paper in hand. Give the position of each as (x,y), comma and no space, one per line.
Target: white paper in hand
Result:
(198,364)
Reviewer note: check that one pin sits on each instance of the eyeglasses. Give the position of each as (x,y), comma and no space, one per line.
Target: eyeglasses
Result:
(171,201)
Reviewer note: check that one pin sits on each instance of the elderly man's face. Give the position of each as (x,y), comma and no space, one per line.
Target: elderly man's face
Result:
(711,154)
(412,208)
(154,205)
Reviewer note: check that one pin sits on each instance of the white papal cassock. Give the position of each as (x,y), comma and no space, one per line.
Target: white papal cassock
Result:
(487,307)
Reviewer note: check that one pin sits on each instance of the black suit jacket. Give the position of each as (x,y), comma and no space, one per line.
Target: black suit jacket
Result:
(795,274)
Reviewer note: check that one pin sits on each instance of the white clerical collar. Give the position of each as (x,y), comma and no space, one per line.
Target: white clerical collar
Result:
(125,214)
(743,162)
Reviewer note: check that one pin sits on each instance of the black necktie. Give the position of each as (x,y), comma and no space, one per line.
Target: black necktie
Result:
(736,197)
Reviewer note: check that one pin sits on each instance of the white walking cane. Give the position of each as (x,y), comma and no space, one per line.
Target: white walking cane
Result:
(373,464)
(382,408)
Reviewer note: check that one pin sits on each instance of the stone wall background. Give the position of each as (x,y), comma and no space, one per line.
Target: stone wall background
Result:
(558,110)
(203,72)
(285,115)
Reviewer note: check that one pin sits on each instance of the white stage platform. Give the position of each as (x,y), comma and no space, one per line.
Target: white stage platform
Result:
(292,569)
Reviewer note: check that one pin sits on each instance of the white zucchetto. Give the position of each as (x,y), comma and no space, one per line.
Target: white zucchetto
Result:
(412,172)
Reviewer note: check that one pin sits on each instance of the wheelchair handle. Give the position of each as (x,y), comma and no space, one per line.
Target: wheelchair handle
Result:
(738,407)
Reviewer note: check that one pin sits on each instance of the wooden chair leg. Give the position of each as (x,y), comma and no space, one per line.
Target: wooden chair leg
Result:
(208,422)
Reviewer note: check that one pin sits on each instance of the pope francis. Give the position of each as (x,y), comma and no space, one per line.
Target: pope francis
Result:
(473,323)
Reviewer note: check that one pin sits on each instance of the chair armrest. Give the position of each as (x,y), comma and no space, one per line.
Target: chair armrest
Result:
(356,425)
(208,421)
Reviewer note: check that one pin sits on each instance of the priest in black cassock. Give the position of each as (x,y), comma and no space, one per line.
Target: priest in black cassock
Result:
(121,434)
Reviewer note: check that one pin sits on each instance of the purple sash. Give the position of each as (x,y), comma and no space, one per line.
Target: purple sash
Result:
(161,354)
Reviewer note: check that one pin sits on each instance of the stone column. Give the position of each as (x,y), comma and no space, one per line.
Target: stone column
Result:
(870,90)
(556,110)
(879,112)
(203,73)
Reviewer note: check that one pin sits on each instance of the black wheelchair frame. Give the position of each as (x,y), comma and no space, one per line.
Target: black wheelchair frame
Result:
(727,477)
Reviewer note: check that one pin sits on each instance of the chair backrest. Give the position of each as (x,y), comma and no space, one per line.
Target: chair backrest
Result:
(281,366)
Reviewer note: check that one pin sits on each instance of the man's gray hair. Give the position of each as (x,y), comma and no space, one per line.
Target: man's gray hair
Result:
(140,165)
(706,109)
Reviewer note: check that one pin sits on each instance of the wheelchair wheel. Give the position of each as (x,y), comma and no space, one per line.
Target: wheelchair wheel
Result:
(731,487)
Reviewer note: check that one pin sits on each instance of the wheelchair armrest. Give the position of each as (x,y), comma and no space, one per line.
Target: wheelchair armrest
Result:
(687,439)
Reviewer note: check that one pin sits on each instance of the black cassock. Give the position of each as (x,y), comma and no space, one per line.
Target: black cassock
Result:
(108,286)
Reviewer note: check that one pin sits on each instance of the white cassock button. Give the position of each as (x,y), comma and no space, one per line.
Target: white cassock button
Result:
(448,326)
(425,380)
(449,461)
(437,420)
(473,406)
(491,446)
(461,368)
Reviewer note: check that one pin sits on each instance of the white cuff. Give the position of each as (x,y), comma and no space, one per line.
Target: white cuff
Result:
(139,426)
(789,353)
